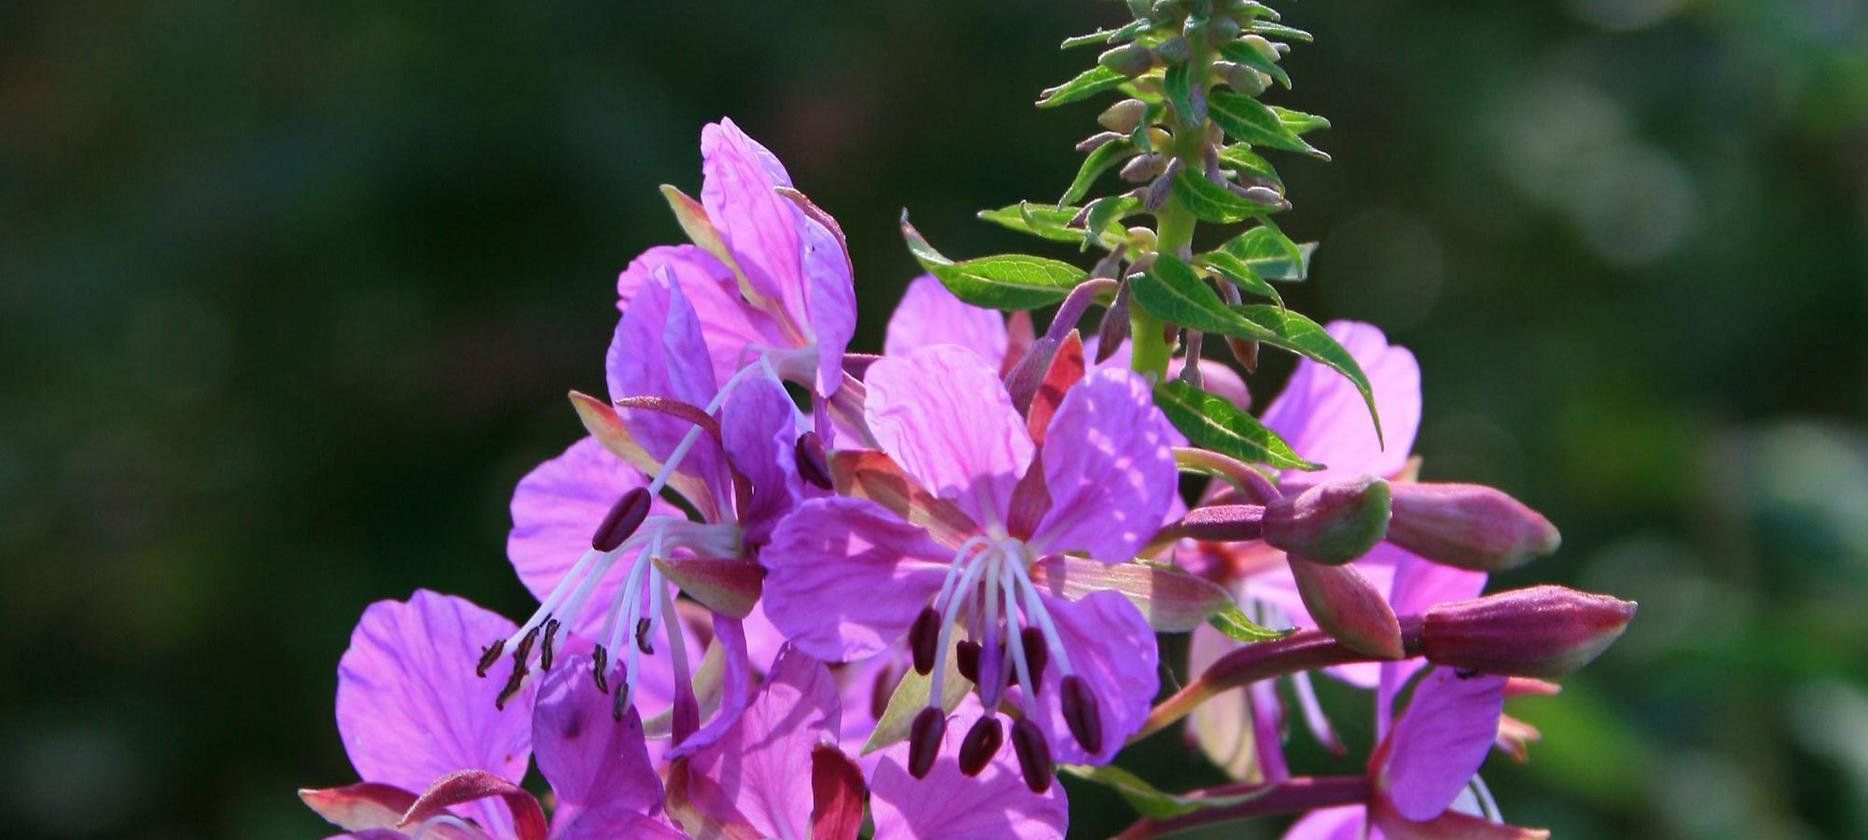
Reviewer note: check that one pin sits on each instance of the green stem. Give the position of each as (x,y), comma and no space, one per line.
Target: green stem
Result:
(1174,225)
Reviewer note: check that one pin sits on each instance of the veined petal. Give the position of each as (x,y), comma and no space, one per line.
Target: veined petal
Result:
(659,350)
(410,709)
(759,429)
(1343,822)
(1222,726)
(763,230)
(1440,741)
(760,768)
(929,314)
(735,688)
(947,805)
(733,330)
(943,415)
(1322,415)
(1112,648)
(831,298)
(590,758)
(1109,469)
(847,577)
(607,822)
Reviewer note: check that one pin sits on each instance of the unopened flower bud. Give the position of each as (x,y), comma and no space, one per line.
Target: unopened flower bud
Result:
(1143,167)
(1129,59)
(924,737)
(1142,239)
(1543,631)
(1334,522)
(1168,9)
(1261,46)
(1159,139)
(1223,28)
(1470,526)
(1247,80)
(1123,116)
(1098,140)
(1174,50)
(1262,195)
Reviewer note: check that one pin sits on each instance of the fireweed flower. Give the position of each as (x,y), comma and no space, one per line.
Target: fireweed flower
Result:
(849,577)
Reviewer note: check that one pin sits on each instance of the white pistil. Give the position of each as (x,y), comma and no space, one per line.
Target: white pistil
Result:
(677,646)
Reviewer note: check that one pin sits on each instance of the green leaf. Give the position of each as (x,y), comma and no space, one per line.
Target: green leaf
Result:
(1241,157)
(1240,274)
(1106,214)
(1094,165)
(1086,84)
(1041,220)
(1298,121)
(1272,29)
(1233,622)
(1108,36)
(1006,281)
(1130,31)
(910,697)
(1271,254)
(1178,84)
(1211,202)
(1213,422)
(1173,292)
(1100,36)
(1245,54)
(1148,800)
(1247,119)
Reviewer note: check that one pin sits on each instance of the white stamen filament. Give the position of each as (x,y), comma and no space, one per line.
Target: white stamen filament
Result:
(677,646)
(1036,613)
(1015,643)
(1486,802)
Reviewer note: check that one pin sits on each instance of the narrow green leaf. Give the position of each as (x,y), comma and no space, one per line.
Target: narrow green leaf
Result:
(1086,84)
(1006,281)
(1239,273)
(1100,36)
(1148,800)
(1211,202)
(1270,29)
(1241,157)
(1233,622)
(1299,334)
(1130,31)
(1106,214)
(1213,422)
(1041,220)
(1094,165)
(1247,119)
(1245,54)
(1299,122)
(1179,87)
(1272,254)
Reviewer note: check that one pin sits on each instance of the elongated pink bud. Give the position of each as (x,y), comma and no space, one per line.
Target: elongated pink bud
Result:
(1469,525)
(1334,522)
(622,521)
(1349,608)
(1224,523)
(1542,631)
(924,736)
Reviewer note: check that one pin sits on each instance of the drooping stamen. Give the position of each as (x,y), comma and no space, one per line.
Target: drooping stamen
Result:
(966,657)
(489,655)
(809,452)
(622,521)
(1033,641)
(982,742)
(1082,713)
(544,644)
(1034,755)
(602,657)
(622,701)
(924,737)
(923,639)
(642,636)
(517,679)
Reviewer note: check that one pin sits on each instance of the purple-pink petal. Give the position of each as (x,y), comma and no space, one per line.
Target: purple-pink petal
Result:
(943,415)
(1440,741)
(659,350)
(1110,646)
(590,758)
(1108,468)
(831,296)
(929,314)
(846,577)
(733,330)
(762,229)
(410,709)
(1343,822)
(758,427)
(949,806)
(1322,415)
(760,769)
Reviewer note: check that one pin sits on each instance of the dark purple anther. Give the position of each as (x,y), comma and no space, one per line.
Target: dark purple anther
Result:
(642,637)
(489,655)
(520,653)
(622,701)
(544,644)
(966,657)
(924,738)
(882,690)
(622,521)
(603,664)
(982,742)
(924,640)
(1034,755)
(1036,654)
(811,464)
(1082,714)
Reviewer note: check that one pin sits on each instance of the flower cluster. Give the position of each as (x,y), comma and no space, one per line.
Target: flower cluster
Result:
(787,590)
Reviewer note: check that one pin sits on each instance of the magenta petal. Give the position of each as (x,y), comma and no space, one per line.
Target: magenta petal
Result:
(1418,585)
(607,822)
(555,510)
(832,299)
(949,806)
(735,688)
(758,426)
(929,314)
(658,350)
(1343,822)
(943,415)
(761,767)
(846,577)
(1440,741)
(732,329)
(1112,648)
(409,707)
(1108,468)
(762,229)
(588,756)
(1325,419)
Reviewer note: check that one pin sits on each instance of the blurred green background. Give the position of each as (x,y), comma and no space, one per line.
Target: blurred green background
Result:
(290,295)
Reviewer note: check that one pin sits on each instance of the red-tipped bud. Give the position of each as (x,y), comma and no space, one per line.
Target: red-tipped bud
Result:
(982,742)
(1469,526)
(809,452)
(1082,714)
(924,737)
(1543,631)
(1034,755)
(924,640)
(1036,654)
(1334,522)
(622,521)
